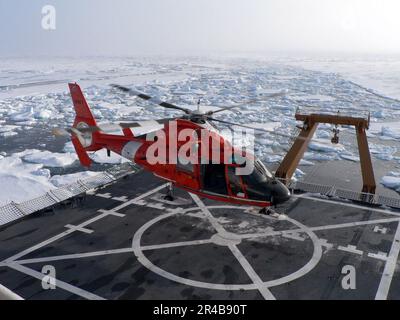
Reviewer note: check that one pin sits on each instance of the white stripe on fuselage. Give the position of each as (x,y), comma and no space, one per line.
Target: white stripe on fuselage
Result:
(130,149)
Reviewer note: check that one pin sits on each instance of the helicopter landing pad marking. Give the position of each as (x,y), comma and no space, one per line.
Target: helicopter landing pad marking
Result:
(231,241)
(380,229)
(77,228)
(74,256)
(380,255)
(113,213)
(345,204)
(293,235)
(325,243)
(351,249)
(104,195)
(229,228)
(390,267)
(121,199)
(61,284)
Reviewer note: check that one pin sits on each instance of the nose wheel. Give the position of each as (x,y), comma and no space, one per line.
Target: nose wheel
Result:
(269,210)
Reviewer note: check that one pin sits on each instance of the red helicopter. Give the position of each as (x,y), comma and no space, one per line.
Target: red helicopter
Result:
(209,174)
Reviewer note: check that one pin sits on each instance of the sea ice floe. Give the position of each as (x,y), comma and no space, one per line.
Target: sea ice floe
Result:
(323,134)
(390,133)
(394,173)
(100,156)
(386,130)
(382,152)
(272,158)
(69,147)
(27,180)
(320,156)
(350,157)
(270,126)
(266,142)
(315,97)
(62,180)
(325,145)
(306,163)
(391,181)
(22,115)
(50,159)
(324,126)
(43,114)
(378,114)
(32,110)
(22,181)
(8,130)
(8,134)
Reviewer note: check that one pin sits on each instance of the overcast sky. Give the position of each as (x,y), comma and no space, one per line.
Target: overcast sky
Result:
(134,27)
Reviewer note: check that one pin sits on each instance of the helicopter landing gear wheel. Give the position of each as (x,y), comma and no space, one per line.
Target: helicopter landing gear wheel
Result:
(169,196)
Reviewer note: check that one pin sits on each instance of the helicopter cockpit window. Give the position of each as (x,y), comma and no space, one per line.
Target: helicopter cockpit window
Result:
(260,166)
(259,175)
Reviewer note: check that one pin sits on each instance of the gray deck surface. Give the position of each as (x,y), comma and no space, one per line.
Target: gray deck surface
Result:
(126,242)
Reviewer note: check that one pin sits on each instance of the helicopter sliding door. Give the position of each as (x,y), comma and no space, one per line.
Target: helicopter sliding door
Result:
(213,178)
(222,179)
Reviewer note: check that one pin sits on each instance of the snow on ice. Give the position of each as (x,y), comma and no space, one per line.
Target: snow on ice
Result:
(99,156)
(50,159)
(325,145)
(22,181)
(25,174)
(391,181)
(62,180)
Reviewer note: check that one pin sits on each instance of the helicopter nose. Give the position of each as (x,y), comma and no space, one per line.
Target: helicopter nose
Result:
(280,193)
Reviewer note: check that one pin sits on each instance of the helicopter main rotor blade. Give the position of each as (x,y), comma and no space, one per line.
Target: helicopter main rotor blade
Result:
(70,132)
(237,124)
(209,113)
(112,126)
(61,132)
(264,97)
(281,134)
(146,123)
(150,99)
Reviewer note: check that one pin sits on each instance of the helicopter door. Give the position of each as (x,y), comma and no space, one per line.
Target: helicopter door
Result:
(213,177)
(235,182)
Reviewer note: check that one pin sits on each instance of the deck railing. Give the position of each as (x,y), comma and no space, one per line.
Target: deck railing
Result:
(332,191)
(13,211)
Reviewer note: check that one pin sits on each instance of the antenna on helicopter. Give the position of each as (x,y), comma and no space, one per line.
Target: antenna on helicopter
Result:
(198,105)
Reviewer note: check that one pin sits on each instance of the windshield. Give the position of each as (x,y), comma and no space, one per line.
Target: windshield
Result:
(259,175)
(260,166)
